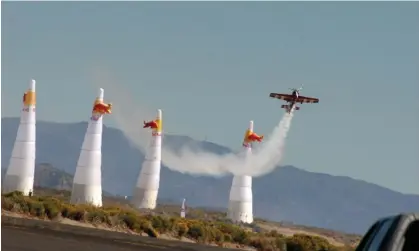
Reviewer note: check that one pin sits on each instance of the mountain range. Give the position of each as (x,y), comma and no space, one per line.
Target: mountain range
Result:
(287,194)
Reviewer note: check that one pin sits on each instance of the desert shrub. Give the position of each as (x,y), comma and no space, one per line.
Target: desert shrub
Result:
(167,224)
(240,236)
(344,248)
(51,200)
(15,194)
(36,208)
(173,223)
(274,233)
(7,203)
(66,210)
(129,220)
(96,216)
(195,231)
(218,236)
(161,224)
(208,234)
(16,202)
(182,229)
(261,243)
(227,237)
(256,243)
(114,220)
(112,211)
(226,228)
(280,243)
(77,214)
(302,242)
(268,245)
(51,209)
(22,206)
(202,231)
(147,228)
(151,232)
(236,233)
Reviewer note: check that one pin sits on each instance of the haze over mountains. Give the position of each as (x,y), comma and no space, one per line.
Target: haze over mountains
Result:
(287,194)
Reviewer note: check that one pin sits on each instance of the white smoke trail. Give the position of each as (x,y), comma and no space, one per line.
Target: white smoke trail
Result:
(130,115)
(263,160)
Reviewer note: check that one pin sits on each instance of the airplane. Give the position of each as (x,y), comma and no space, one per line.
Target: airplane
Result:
(250,137)
(152,124)
(103,108)
(293,98)
(254,137)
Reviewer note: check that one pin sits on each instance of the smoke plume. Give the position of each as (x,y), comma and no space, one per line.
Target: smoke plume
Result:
(130,115)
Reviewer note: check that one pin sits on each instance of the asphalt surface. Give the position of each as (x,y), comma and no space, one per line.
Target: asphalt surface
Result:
(24,238)
(20,239)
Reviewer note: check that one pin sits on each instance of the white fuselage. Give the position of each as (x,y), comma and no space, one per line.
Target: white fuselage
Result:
(295,93)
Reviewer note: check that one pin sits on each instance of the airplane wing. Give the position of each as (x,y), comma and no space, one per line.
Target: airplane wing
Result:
(285,97)
(302,99)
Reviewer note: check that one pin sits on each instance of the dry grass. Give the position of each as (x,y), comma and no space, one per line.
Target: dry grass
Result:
(263,227)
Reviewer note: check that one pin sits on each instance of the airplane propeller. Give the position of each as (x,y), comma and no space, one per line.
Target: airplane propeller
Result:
(295,89)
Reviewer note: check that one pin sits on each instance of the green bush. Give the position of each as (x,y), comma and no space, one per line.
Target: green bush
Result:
(129,220)
(240,236)
(97,217)
(227,237)
(162,224)
(182,229)
(66,211)
(36,208)
(280,243)
(15,194)
(78,214)
(218,236)
(51,209)
(302,242)
(195,231)
(7,204)
(148,229)
(262,244)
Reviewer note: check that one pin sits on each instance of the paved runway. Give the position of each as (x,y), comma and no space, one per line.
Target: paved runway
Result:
(22,238)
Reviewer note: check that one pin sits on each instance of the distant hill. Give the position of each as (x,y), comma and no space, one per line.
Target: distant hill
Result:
(50,177)
(286,194)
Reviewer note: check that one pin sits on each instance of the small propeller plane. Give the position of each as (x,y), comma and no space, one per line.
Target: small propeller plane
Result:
(293,98)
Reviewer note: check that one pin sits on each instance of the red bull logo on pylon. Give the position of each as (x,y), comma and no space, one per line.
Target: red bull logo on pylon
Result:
(29,99)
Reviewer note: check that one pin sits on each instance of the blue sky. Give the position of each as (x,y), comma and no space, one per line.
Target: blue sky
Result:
(211,66)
